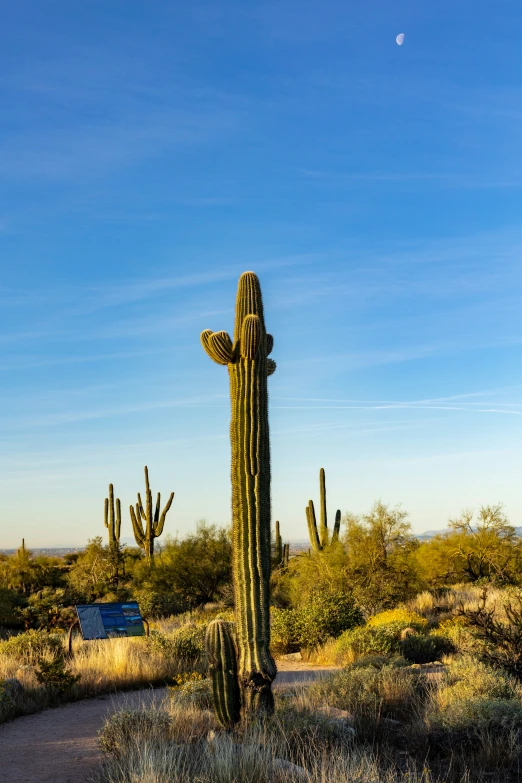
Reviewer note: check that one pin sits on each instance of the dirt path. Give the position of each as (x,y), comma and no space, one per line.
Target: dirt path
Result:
(60,745)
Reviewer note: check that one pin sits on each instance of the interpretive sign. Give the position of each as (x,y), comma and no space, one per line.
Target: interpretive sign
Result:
(107,621)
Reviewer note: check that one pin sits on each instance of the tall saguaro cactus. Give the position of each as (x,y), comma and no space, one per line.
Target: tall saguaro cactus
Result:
(320,538)
(146,523)
(112,517)
(248,367)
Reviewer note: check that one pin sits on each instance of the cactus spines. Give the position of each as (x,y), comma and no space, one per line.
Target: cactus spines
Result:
(320,538)
(146,523)
(248,368)
(222,659)
(112,517)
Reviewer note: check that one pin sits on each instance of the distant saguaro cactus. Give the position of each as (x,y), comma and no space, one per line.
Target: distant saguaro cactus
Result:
(320,539)
(222,660)
(282,551)
(154,521)
(112,517)
(248,367)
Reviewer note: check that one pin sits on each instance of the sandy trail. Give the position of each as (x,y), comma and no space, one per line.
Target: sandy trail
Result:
(60,745)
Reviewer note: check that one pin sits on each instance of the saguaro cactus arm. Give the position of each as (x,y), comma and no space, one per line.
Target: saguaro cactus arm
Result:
(324,520)
(312,526)
(158,530)
(112,516)
(137,527)
(278,544)
(337,526)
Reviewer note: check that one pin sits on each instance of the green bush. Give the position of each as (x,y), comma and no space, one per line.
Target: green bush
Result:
(186,644)
(160,644)
(55,677)
(474,697)
(32,645)
(195,692)
(425,648)
(155,604)
(10,605)
(284,637)
(399,618)
(364,640)
(133,727)
(325,616)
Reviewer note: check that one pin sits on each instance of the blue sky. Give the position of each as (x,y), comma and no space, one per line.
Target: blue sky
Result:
(151,152)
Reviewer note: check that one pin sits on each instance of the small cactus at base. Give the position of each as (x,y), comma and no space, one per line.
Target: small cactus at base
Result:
(112,516)
(222,659)
(319,538)
(154,521)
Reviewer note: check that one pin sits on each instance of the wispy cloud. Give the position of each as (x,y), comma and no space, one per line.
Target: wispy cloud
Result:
(54,419)
(459,402)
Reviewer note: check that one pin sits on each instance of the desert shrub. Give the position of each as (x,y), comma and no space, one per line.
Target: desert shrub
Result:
(461,637)
(303,726)
(48,608)
(128,727)
(155,603)
(474,696)
(326,615)
(6,696)
(10,604)
(425,648)
(55,677)
(499,632)
(186,644)
(372,695)
(401,616)
(284,637)
(193,690)
(364,640)
(160,644)
(31,646)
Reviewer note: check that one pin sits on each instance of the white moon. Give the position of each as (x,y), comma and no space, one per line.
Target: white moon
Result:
(400,39)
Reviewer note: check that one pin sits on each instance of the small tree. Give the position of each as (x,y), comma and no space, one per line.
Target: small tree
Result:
(380,564)
(195,568)
(91,575)
(477,547)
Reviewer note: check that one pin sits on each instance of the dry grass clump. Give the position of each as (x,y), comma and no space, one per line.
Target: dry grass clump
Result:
(104,666)
(197,750)
(444,604)
(472,697)
(475,715)
(365,724)
(375,695)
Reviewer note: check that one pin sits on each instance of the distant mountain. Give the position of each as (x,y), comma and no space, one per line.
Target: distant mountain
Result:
(430,534)
(50,551)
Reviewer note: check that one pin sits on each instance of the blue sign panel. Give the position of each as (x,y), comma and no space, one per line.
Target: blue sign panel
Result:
(107,621)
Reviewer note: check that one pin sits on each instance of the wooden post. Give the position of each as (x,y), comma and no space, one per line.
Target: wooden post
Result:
(75,624)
